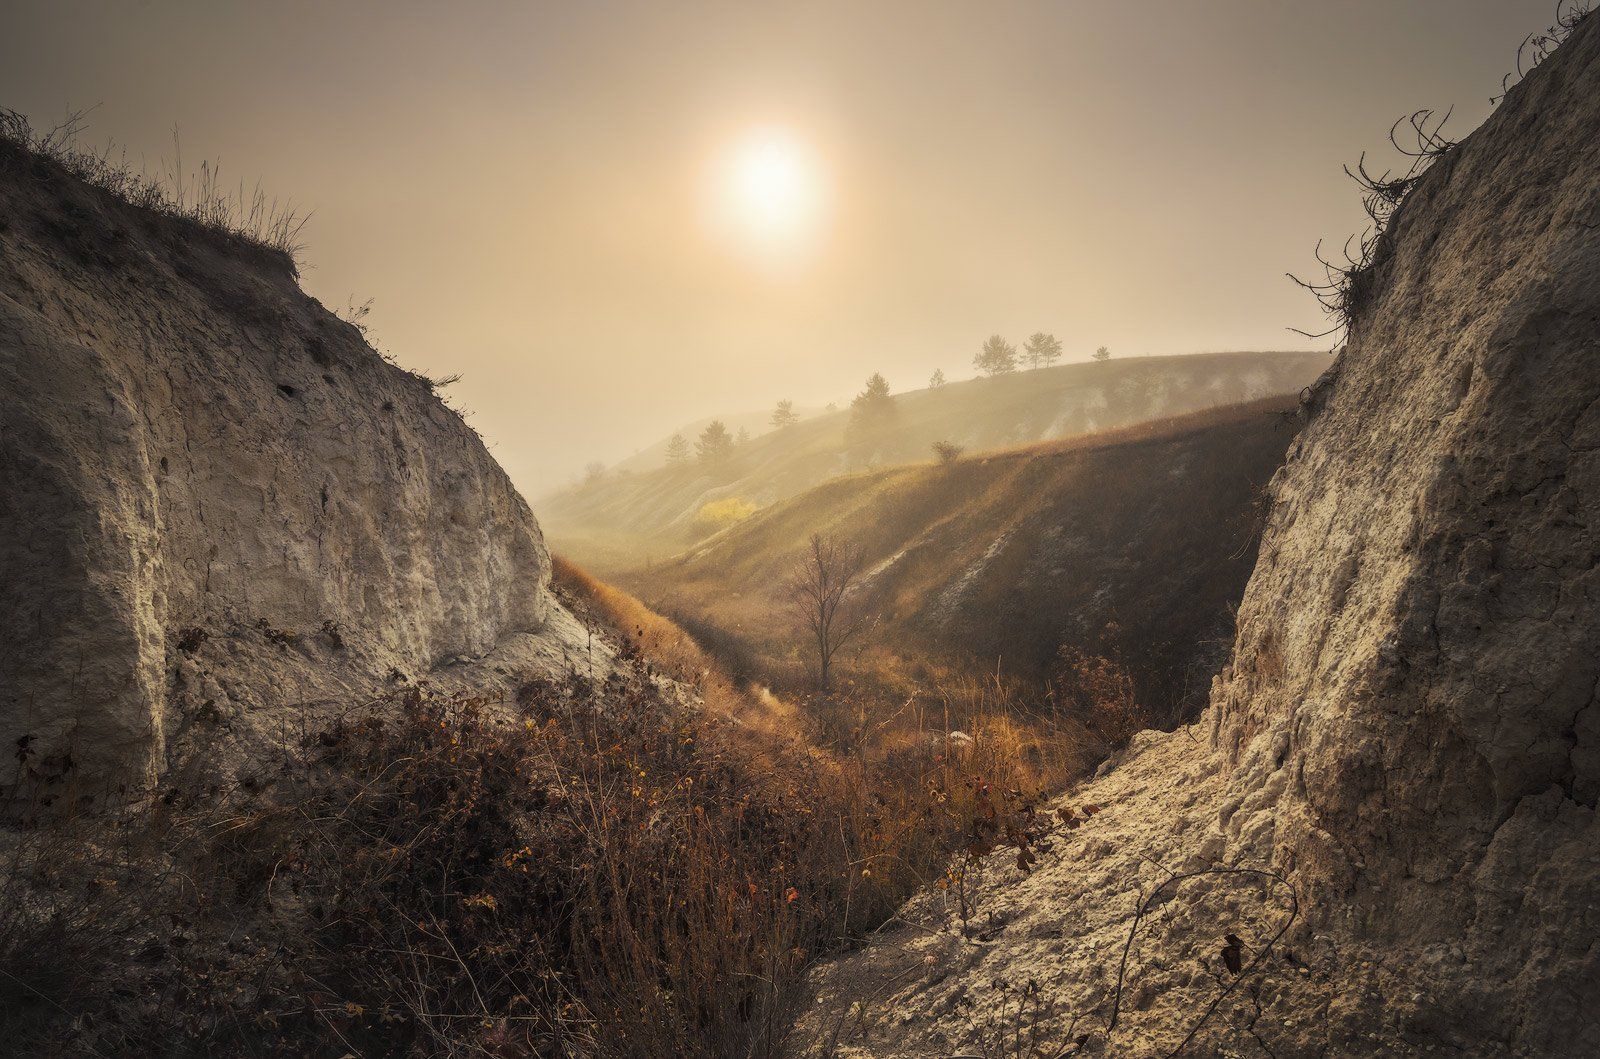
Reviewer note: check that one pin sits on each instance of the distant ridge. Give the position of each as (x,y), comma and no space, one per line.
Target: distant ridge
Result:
(626,518)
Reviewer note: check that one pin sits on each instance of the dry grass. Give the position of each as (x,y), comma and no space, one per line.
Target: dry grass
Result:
(666,647)
(199,197)
(998,560)
(591,869)
(1350,282)
(594,872)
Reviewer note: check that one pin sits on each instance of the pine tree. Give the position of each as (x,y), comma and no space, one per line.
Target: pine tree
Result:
(715,443)
(937,380)
(997,357)
(744,436)
(784,415)
(1102,354)
(871,411)
(874,402)
(677,449)
(1041,350)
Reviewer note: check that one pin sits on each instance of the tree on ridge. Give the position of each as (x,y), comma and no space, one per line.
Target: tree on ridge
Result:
(997,357)
(715,443)
(1041,350)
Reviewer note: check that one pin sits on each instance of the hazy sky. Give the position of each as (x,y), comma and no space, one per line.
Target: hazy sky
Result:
(612,218)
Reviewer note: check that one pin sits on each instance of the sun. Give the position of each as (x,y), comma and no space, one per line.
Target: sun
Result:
(768,192)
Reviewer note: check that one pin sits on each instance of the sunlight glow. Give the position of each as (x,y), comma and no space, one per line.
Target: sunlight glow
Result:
(768,194)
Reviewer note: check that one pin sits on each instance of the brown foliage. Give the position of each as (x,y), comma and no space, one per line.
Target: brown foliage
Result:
(593,868)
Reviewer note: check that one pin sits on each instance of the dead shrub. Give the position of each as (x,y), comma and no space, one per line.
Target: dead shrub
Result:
(1096,704)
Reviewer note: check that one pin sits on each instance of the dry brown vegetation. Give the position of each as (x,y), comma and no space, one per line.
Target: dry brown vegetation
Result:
(597,867)
(1132,544)
(200,199)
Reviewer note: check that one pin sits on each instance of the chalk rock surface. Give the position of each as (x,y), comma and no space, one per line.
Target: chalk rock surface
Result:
(1400,764)
(219,507)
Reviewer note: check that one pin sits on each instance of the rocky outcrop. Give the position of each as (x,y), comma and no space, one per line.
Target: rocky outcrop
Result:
(218,506)
(1408,733)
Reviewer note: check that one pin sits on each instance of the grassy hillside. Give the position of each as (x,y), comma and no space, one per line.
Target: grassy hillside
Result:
(654,457)
(1134,544)
(630,517)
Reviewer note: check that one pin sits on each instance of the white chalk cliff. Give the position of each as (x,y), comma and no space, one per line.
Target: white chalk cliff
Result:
(1408,732)
(219,507)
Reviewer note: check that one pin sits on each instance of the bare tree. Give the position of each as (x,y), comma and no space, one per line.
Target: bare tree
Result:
(820,590)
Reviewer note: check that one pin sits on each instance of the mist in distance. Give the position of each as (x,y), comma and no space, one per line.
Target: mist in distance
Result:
(614,220)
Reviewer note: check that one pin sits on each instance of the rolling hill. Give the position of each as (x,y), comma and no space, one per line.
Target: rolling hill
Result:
(628,517)
(1134,543)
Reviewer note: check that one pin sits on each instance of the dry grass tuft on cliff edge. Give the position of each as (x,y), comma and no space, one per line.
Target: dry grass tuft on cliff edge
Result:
(200,199)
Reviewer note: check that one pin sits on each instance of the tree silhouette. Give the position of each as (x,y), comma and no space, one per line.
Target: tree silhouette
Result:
(715,443)
(784,415)
(1102,354)
(1041,350)
(677,449)
(871,411)
(874,401)
(937,380)
(997,357)
(819,590)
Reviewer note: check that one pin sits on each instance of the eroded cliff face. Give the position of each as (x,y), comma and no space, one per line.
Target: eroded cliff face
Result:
(1419,648)
(1407,732)
(218,506)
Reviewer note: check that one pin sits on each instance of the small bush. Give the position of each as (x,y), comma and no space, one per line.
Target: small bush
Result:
(1095,701)
(596,872)
(720,514)
(947,452)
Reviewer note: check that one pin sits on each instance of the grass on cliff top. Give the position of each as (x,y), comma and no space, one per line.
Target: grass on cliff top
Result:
(200,198)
